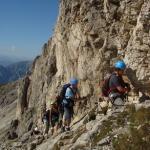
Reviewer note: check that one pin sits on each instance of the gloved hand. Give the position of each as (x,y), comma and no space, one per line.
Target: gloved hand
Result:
(128,87)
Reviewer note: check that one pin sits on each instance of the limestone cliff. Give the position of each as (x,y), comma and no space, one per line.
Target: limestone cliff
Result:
(90,35)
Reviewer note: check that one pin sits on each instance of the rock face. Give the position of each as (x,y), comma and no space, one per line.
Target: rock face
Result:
(22,96)
(89,37)
(8,94)
(8,102)
(124,128)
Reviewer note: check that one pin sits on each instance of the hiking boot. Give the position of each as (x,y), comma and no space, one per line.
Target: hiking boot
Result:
(62,129)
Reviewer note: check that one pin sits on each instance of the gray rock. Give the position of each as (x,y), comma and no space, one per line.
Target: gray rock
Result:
(25,137)
(105,141)
(17,144)
(32,146)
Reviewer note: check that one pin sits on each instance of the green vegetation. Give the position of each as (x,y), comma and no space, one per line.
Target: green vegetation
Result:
(137,136)
(106,128)
(121,119)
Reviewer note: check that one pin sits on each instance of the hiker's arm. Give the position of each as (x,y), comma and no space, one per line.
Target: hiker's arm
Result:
(78,95)
(118,85)
(128,86)
(122,90)
(81,98)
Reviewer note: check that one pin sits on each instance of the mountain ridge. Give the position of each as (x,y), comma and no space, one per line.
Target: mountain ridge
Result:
(7,60)
(13,72)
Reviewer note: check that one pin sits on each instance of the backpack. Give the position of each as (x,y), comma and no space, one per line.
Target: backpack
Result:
(105,85)
(67,102)
(63,90)
(61,96)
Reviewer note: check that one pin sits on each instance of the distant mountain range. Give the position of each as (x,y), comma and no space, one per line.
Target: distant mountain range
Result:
(13,71)
(7,60)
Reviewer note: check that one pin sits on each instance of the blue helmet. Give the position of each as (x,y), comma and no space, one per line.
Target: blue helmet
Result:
(73,81)
(120,65)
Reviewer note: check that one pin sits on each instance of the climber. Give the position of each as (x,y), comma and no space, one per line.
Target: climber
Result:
(45,120)
(54,117)
(59,100)
(68,103)
(117,87)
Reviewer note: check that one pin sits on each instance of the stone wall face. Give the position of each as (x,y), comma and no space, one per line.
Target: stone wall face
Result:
(137,54)
(89,37)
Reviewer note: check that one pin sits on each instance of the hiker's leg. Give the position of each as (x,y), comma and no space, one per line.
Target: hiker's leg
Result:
(52,130)
(60,119)
(46,127)
(68,121)
(52,127)
(119,101)
(70,115)
(56,127)
(64,120)
(65,117)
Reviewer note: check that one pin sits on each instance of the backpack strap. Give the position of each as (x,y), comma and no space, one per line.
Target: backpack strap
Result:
(108,84)
(112,88)
(71,90)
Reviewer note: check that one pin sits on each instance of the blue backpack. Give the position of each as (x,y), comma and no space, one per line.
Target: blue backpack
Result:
(63,90)
(62,96)
(66,102)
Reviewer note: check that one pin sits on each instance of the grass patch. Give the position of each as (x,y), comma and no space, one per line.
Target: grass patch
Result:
(106,128)
(112,123)
(138,124)
(138,137)
(121,119)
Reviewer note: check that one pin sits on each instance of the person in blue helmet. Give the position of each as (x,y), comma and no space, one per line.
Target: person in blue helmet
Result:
(68,103)
(118,88)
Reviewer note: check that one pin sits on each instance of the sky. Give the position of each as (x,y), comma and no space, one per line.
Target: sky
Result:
(25,25)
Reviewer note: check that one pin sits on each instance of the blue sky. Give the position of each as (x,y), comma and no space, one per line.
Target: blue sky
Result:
(25,25)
